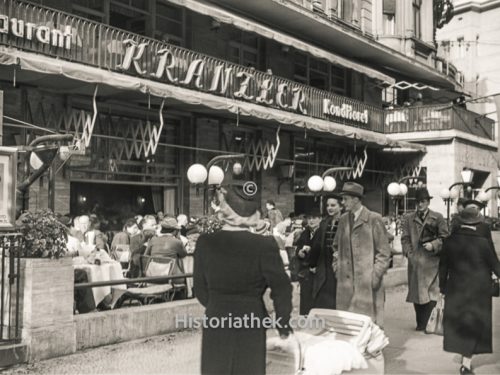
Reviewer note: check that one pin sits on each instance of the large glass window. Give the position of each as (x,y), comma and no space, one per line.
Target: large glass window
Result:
(91,9)
(170,21)
(417,18)
(130,15)
(243,48)
(320,74)
(389,17)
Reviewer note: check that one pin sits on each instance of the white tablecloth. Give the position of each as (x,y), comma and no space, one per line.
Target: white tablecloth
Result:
(104,272)
(188,263)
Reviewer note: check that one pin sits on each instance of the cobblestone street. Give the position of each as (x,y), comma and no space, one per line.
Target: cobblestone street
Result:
(409,352)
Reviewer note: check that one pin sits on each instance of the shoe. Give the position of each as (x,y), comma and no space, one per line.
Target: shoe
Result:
(420,329)
(465,370)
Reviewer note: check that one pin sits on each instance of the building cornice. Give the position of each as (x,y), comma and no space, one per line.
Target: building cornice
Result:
(475,6)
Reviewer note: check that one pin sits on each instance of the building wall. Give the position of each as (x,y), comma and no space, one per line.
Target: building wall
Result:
(445,161)
(479,56)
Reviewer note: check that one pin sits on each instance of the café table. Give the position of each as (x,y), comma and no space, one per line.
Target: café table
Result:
(105,272)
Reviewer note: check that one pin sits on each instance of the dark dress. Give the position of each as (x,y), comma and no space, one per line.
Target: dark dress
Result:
(305,277)
(232,270)
(321,258)
(465,279)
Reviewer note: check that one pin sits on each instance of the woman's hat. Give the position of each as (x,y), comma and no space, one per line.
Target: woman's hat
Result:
(353,189)
(422,194)
(169,223)
(469,216)
(474,202)
(242,197)
(262,227)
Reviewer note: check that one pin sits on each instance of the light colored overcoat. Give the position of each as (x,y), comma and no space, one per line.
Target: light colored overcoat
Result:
(363,258)
(423,265)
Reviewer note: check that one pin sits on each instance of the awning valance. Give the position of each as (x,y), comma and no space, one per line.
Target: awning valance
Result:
(223,16)
(47,65)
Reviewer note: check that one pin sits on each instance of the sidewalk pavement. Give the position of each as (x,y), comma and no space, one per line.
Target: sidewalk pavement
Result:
(409,352)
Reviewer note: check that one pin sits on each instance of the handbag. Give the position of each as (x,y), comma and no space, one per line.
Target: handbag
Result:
(495,288)
(435,323)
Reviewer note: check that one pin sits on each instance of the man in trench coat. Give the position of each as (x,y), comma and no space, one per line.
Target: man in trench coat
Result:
(363,257)
(422,237)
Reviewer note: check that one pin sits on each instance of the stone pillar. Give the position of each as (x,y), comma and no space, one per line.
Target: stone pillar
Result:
(48,327)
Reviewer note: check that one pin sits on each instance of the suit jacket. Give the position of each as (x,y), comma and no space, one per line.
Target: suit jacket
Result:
(363,258)
(422,264)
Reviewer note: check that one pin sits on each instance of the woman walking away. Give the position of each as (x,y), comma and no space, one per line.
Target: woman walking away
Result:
(232,269)
(465,280)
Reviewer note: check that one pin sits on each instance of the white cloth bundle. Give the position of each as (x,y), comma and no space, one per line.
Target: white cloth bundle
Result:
(332,357)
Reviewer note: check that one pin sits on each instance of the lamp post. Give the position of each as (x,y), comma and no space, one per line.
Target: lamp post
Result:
(485,195)
(197,175)
(403,186)
(325,182)
(449,194)
(397,191)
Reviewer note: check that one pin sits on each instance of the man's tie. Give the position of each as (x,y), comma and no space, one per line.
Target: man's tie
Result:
(351,220)
(421,215)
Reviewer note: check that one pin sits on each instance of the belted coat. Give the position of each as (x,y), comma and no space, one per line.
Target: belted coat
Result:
(423,265)
(363,258)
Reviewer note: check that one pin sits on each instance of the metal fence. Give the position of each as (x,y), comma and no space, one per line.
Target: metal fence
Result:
(10,315)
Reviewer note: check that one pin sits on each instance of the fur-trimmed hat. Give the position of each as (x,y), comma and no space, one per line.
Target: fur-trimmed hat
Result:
(242,197)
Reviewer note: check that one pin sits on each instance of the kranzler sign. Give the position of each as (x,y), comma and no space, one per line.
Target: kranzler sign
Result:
(41,33)
(186,68)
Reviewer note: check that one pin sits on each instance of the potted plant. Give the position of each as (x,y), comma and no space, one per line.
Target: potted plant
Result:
(44,236)
(46,286)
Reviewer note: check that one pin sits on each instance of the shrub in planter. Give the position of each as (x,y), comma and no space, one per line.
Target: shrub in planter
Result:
(43,235)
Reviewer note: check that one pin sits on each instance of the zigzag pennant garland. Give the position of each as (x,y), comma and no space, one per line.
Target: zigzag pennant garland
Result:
(261,155)
(355,161)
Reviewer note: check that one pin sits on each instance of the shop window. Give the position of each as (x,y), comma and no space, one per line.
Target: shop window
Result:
(170,23)
(243,48)
(130,15)
(389,17)
(417,18)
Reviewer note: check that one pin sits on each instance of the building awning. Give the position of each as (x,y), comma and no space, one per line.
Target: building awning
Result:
(223,16)
(47,65)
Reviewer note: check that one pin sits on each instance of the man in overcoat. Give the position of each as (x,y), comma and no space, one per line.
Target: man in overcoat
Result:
(422,234)
(363,256)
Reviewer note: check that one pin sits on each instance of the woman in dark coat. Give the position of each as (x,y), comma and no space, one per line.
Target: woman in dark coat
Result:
(232,270)
(303,250)
(322,256)
(465,271)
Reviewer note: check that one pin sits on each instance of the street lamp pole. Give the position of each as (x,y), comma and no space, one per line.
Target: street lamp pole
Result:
(208,176)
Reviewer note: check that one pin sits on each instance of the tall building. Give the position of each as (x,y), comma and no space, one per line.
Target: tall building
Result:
(471,41)
(149,88)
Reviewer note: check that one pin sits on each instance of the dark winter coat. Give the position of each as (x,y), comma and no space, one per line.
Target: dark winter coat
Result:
(232,269)
(465,279)
(321,258)
(305,277)
(422,264)
(363,258)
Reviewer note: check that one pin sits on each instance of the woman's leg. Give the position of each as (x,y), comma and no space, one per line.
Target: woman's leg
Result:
(466,362)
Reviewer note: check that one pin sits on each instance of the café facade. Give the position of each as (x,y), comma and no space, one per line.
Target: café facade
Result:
(142,110)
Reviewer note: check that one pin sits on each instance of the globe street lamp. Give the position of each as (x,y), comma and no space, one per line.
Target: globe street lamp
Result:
(449,194)
(197,175)
(397,191)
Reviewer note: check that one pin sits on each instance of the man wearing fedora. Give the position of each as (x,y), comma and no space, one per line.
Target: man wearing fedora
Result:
(363,256)
(422,234)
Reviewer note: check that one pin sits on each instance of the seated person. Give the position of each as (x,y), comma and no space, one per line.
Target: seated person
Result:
(167,244)
(136,247)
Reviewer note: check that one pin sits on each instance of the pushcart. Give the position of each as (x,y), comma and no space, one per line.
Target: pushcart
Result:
(337,329)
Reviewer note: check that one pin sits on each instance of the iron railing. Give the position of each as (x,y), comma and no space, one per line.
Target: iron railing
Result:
(438,117)
(10,294)
(102,46)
